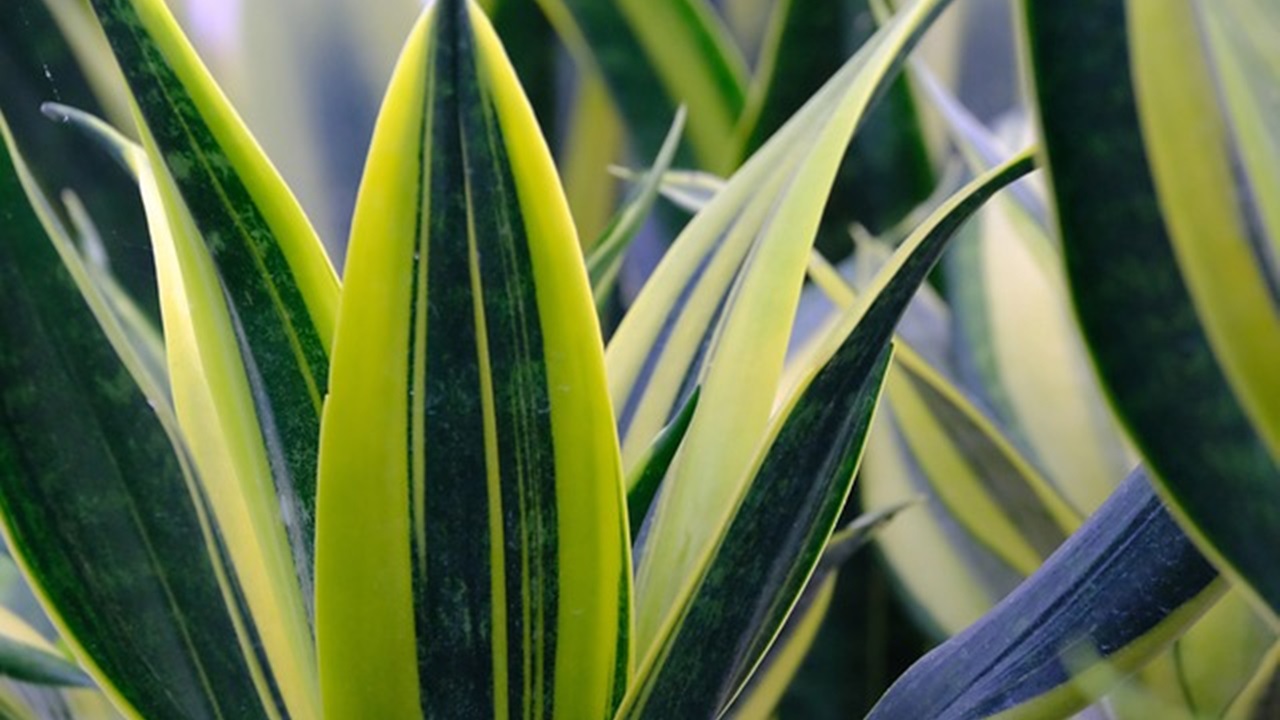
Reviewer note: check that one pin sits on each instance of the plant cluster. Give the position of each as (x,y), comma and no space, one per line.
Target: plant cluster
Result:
(502,466)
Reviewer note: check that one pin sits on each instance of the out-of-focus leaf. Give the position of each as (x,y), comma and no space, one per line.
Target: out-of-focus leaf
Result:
(470,486)
(1240,37)
(1131,288)
(1206,669)
(723,298)
(985,484)
(943,575)
(1259,700)
(40,61)
(709,646)
(593,142)
(1118,591)
(656,55)
(128,566)
(1009,285)
(605,257)
(769,682)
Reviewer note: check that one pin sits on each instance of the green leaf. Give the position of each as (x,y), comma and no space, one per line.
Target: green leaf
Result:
(984,483)
(769,682)
(248,300)
(1142,311)
(1014,285)
(128,566)
(1117,592)
(886,172)
(1238,37)
(472,547)
(656,55)
(718,312)
(1208,206)
(756,569)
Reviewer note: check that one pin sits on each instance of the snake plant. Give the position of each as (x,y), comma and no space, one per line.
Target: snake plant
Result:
(495,470)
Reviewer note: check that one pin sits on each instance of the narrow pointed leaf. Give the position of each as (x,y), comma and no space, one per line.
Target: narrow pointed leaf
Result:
(27,657)
(644,482)
(770,680)
(1138,310)
(99,501)
(778,528)
(1123,587)
(248,303)
(718,311)
(472,546)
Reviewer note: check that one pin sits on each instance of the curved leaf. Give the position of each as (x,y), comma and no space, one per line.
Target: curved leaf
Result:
(718,311)
(755,570)
(1127,583)
(127,564)
(472,547)
(1131,293)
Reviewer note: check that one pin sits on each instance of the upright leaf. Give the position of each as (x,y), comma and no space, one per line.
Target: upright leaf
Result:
(472,547)
(98,498)
(248,303)
(1119,590)
(656,55)
(755,570)
(718,312)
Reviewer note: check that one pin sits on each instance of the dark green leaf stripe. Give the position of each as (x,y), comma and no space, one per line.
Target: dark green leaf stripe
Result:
(762,693)
(97,497)
(1134,305)
(1118,590)
(777,533)
(484,504)
(283,341)
(491,456)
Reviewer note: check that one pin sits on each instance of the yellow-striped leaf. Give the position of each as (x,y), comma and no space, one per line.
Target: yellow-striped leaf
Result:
(472,545)
(718,311)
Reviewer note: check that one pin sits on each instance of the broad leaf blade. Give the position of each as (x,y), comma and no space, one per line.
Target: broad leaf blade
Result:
(248,302)
(1127,583)
(656,55)
(472,547)
(1137,310)
(127,565)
